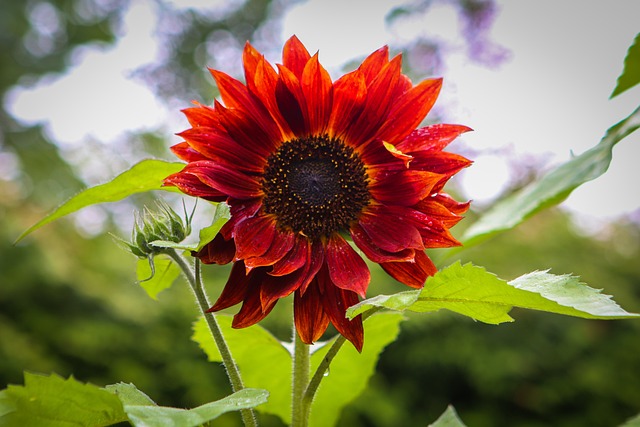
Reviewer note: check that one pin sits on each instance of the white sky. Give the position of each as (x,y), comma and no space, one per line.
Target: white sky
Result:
(549,99)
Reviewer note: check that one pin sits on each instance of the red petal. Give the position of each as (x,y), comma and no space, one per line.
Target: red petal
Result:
(316,259)
(264,87)
(191,185)
(276,287)
(349,95)
(253,236)
(252,310)
(448,202)
(185,152)
(432,208)
(409,110)
(433,233)
(218,251)
(309,316)
(295,56)
(282,243)
(246,131)
(295,259)
(405,188)
(335,302)
(236,288)
(290,100)
(387,229)
(318,93)
(412,274)
(202,115)
(441,162)
(431,138)
(236,95)
(346,268)
(379,99)
(250,59)
(373,64)
(218,146)
(228,181)
(373,252)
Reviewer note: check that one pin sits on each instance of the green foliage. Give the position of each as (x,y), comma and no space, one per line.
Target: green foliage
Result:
(144,176)
(52,401)
(633,422)
(449,418)
(347,378)
(472,291)
(552,188)
(157,278)
(631,74)
(157,416)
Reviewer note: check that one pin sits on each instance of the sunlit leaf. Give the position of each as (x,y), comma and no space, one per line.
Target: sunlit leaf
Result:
(633,422)
(52,401)
(144,176)
(130,395)
(158,416)
(448,419)
(350,371)
(166,272)
(631,73)
(472,291)
(552,188)
(270,368)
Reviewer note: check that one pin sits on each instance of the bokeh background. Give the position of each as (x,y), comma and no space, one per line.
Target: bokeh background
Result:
(89,87)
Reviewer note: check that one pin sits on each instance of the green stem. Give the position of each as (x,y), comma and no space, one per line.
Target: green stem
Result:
(299,408)
(195,281)
(320,372)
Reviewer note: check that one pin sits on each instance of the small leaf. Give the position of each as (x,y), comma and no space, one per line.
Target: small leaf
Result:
(158,416)
(348,375)
(631,74)
(52,401)
(552,188)
(144,176)
(633,422)
(448,419)
(130,395)
(166,272)
(472,291)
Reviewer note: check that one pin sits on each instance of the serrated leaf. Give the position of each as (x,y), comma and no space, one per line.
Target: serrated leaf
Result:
(631,73)
(348,375)
(449,418)
(159,416)
(552,188)
(472,291)
(144,176)
(166,272)
(350,371)
(52,401)
(130,395)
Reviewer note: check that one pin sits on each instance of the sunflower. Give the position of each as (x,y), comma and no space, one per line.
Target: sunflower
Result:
(306,163)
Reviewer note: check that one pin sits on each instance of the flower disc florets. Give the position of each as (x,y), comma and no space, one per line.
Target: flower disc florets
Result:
(315,186)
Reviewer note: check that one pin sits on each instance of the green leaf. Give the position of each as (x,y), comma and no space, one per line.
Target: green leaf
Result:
(552,188)
(270,367)
(350,371)
(144,176)
(633,422)
(166,272)
(52,401)
(130,395)
(472,291)
(631,74)
(158,416)
(449,418)
(220,217)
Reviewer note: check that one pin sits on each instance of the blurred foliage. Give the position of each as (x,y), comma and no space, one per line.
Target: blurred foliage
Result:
(69,304)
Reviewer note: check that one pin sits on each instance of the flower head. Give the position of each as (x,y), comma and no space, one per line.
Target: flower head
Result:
(303,162)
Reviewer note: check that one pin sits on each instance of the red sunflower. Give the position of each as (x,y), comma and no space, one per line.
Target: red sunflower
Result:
(304,162)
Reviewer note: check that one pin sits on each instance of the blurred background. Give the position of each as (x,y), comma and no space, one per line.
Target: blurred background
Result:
(89,87)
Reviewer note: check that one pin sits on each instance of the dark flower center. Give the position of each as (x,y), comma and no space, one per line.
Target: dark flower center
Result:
(315,185)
